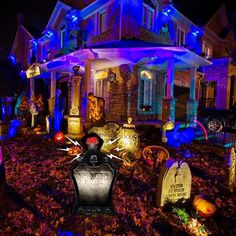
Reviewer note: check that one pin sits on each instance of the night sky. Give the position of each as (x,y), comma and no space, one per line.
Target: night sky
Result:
(37,14)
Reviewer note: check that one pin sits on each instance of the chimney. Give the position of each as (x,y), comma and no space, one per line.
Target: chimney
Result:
(20,20)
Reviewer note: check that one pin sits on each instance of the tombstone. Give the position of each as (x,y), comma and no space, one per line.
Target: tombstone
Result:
(231,162)
(93,177)
(108,132)
(174,183)
(2,178)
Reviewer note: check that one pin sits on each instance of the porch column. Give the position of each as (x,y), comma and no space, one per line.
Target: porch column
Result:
(87,87)
(51,100)
(129,87)
(168,103)
(31,88)
(75,127)
(192,104)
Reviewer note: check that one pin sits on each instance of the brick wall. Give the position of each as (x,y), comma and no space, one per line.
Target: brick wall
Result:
(219,72)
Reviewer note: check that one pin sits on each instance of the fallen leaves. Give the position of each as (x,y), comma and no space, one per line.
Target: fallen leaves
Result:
(39,174)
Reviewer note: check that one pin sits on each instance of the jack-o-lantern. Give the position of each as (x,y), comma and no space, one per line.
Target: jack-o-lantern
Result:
(204,207)
(59,137)
(74,150)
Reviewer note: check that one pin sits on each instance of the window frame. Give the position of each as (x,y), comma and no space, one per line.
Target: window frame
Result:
(178,36)
(62,39)
(149,25)
(145,99)
(206,47)
(104,28)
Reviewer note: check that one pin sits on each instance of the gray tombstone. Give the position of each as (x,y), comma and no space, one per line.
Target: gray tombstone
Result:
(93,180)
(174,183)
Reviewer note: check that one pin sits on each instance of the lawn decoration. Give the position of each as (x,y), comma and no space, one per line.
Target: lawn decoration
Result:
(93,177)
(230,158)
(155,155)
(59,137)
(109,133)
(203,206)
(177,137)
(14,125)
(116,137)
(167,126)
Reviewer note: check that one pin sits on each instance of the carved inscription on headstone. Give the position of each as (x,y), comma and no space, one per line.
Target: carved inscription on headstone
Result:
(174,182)
(94,183)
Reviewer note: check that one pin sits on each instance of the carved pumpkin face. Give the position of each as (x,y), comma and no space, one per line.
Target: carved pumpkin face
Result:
(204,207)
(74,150)
(59,137)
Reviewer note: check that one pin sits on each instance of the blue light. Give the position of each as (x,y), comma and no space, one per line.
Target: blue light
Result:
(35,42)
(167,11)
(49,33)
(13,60)
(74,18)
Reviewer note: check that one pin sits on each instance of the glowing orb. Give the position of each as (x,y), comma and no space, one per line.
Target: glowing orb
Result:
(59,137)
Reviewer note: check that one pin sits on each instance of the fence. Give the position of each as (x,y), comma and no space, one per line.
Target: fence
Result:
(220,139)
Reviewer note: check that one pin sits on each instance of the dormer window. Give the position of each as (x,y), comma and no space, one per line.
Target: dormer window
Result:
(62,36)
(180,36)
(148,14)
(102,21)
(207,50)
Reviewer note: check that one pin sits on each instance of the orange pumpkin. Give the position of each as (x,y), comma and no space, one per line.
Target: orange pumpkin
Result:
(59,137)
(204,207)
(74,150)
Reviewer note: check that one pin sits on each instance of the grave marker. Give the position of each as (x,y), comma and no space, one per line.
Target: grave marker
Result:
(174,182)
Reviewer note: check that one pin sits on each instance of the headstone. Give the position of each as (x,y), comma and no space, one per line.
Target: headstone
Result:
(174,183)
(93,177)
(231,162)
(109,132)
(2,178)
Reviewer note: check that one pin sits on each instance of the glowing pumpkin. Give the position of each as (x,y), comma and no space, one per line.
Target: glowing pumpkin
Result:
(204,207)
(59,137)
(74,150)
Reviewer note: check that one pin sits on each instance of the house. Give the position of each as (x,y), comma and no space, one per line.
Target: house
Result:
(218,85)
(139,55)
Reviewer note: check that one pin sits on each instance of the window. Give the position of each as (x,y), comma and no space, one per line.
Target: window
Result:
(32,56)
(62,37)
(101,86)
(207,50)
(180,37)
(145,92)
(102,21)
(148,14)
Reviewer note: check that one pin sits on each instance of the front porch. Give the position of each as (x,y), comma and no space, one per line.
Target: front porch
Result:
(135,82)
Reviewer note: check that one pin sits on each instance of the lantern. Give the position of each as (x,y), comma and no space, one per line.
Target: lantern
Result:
(204,207)
(59,137)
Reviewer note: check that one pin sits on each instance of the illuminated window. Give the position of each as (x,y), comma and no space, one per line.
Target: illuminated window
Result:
(180,37)
(207,49)
(145,92)
(62,37)
(148,14)
(101,86)
(102,21)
